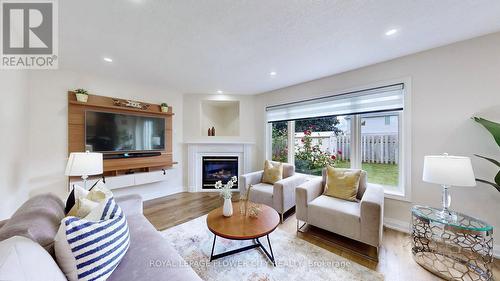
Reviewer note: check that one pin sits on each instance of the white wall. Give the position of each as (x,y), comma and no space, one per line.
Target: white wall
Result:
(45,108)
(449,85)
(13,140)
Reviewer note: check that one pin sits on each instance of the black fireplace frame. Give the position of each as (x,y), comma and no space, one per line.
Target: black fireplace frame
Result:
(211,184)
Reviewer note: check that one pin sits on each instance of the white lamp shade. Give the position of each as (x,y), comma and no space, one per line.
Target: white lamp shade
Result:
(84,164)
(448,170)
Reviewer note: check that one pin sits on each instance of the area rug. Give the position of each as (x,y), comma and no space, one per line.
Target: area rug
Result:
(296,259)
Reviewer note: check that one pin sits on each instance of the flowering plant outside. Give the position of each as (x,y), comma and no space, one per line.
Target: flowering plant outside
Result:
(225,190)
(280,147)
(310,155)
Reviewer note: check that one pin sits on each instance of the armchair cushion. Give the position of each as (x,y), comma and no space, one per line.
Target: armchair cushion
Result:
(262,193)
(335,215)
(273,172)
(250,179)
(342,183)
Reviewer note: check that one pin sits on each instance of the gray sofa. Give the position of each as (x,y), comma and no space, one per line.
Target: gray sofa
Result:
(280,196)
(361,221)
(150,257)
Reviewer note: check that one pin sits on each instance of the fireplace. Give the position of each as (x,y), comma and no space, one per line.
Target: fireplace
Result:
(218,168)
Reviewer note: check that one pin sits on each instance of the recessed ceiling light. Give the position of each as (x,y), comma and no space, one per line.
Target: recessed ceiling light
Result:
(108,60)
(391,32)
(272,73)
(219,92)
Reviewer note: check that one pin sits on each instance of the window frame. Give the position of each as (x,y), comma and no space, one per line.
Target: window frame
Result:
(405,144)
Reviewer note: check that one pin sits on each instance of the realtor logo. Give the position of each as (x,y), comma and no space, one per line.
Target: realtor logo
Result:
(29,34)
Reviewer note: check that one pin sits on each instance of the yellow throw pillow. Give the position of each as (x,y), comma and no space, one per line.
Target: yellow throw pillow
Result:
(342,183)
(272,172)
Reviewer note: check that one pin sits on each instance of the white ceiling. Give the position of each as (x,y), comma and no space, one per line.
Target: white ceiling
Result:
(200,46)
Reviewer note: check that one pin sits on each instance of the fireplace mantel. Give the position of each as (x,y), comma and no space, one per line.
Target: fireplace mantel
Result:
(216,147)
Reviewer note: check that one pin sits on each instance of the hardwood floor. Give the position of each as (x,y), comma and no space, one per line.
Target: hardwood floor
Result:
(394,259)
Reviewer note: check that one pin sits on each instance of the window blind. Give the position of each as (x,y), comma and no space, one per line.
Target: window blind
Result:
(378,99)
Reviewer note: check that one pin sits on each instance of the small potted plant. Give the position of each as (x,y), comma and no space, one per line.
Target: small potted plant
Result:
(82,95)
(164,107)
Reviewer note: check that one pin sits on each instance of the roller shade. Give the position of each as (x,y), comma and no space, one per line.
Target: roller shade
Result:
(379,99)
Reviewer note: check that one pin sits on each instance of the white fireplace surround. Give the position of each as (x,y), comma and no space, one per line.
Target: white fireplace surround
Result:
(198,149)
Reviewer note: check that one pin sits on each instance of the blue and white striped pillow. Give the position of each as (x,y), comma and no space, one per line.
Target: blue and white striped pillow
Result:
(97,242)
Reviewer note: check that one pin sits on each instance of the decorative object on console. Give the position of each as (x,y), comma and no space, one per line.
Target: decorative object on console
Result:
(164,107)
(82,95)
(494,129)
(213,132)
(225,192)
(460,249)
(209,132)
(131,103)
(84,164)
(447,170)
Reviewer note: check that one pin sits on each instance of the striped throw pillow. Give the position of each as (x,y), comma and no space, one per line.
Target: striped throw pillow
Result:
(91,248)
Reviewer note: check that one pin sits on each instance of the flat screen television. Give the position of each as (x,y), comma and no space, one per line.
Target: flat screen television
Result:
(115,132)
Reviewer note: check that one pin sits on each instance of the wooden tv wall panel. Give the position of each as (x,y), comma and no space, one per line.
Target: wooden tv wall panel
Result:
(76,133)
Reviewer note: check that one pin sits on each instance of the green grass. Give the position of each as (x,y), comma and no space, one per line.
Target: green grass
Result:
(385,174)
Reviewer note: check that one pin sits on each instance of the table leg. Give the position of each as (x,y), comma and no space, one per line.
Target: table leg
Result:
(213,247)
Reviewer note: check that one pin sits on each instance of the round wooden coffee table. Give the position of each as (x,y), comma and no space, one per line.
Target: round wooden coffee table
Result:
(241,227)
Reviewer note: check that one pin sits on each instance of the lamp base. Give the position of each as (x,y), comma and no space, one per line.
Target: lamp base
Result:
(448,215)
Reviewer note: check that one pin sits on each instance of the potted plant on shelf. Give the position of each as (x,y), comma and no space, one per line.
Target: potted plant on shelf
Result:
(225,192)
(164,107)
(82,95)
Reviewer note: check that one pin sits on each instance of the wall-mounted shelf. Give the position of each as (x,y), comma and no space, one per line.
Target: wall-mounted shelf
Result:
(107,103)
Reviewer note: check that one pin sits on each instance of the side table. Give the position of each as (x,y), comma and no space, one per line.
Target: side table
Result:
(459,249)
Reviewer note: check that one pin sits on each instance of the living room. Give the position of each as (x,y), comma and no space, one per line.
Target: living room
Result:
(235,140)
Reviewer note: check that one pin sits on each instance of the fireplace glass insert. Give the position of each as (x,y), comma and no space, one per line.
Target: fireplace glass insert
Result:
(218,168)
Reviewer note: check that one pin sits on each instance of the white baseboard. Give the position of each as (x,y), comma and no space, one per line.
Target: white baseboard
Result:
(398,225)
(403,226)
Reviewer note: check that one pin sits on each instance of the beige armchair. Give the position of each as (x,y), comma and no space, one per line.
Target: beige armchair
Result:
(361,221)
(280,196)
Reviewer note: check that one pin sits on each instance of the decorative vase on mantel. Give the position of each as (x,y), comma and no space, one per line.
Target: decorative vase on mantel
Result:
(227,209)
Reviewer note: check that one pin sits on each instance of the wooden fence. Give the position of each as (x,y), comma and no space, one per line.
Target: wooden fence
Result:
(375,148)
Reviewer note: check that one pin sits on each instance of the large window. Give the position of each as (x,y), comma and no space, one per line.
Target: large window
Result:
(279,131)
(380,149)
(361,130)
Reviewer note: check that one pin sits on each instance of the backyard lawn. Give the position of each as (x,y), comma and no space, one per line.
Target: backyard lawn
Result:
(385,174)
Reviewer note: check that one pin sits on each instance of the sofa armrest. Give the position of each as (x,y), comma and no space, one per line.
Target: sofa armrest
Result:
(130,204)
(305,193)
(284,192)
(250,179)
(372,215)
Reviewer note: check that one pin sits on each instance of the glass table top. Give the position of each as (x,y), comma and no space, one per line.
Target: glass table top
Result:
(462,221)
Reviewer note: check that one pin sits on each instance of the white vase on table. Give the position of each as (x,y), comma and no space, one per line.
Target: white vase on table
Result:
(227,209)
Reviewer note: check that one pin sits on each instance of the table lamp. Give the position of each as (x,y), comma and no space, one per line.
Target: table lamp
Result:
(84,164)
(447,171)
